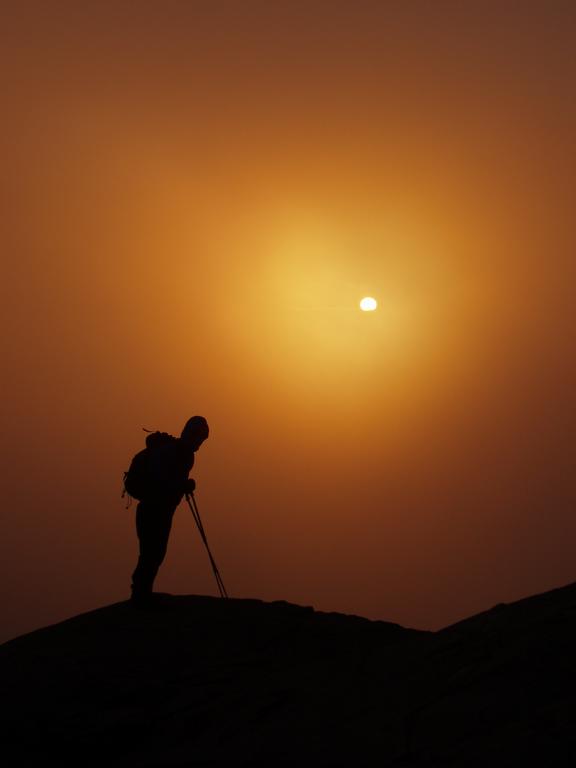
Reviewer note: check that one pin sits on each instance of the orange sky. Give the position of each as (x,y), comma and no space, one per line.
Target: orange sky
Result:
(195,196)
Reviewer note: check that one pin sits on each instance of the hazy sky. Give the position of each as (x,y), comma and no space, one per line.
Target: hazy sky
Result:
(195,196)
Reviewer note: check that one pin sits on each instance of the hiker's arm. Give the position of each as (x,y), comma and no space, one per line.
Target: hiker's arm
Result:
(190,485)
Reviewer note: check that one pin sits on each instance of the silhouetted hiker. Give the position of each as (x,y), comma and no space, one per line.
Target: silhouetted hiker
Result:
(158,477)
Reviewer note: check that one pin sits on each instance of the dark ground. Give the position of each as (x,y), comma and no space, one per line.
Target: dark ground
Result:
(199,681)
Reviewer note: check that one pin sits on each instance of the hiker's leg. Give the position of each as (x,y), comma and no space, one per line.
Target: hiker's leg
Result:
(153,524)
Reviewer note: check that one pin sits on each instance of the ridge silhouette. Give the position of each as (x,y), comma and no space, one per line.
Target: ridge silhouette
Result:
(205,681)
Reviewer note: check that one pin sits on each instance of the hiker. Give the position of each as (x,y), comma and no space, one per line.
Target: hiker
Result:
(162,484)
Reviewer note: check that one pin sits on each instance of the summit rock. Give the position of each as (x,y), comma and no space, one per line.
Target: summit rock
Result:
(198,681)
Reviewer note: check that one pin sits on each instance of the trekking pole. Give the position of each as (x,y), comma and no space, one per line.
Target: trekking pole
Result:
(194,509)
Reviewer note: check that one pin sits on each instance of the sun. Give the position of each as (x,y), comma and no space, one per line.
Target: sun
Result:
(368,304)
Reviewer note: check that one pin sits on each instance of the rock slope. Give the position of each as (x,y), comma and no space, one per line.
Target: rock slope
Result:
(199,681)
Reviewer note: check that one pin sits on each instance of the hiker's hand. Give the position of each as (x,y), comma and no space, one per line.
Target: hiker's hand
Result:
(190,485)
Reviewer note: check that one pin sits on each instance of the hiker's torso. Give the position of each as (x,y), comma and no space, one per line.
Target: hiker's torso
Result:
(169,467)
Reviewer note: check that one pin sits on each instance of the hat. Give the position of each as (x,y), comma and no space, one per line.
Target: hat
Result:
(196,427)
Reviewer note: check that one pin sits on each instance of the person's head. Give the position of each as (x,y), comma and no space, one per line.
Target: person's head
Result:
(195,432)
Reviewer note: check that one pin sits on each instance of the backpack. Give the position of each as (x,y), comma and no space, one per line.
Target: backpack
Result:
(139,476)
